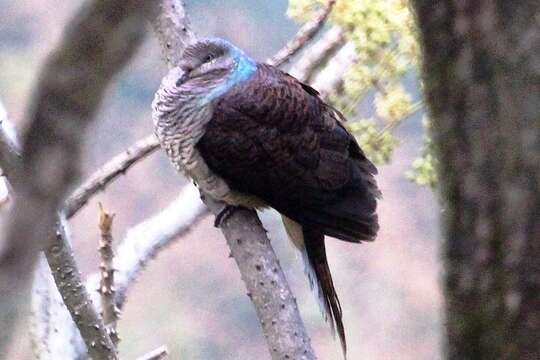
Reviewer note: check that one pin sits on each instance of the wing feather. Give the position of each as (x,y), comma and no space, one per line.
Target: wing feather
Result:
(273,137)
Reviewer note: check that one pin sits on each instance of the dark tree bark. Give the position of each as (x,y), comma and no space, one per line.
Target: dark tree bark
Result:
(482,83)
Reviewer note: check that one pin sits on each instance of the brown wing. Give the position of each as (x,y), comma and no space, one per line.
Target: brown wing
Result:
(273,137)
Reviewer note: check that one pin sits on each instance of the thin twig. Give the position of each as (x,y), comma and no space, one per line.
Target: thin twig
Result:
(157,354)
(107,286)
(10,157)
(115,167)
(303,36)
(330,79)
(318,54)
(10,149)
(390,127)
(71,87)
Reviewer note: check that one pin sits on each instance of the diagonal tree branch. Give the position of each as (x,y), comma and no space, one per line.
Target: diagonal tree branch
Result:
(10,149)
(172,27)
(266,285)
(307,32)
(330,79)
(157,354)
(68,280)
(96,45)
(318,54)
(269,291)
(145,240)
(69,283)
(115,167)
(142,243)
(53,333)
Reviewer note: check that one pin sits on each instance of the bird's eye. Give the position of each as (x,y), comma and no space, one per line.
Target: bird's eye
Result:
(208,58)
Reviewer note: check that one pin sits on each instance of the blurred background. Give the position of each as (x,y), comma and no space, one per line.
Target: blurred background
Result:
(191,298)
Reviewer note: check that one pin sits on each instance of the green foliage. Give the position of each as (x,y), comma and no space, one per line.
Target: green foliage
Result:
(424,168)
(384,34)
(379,144)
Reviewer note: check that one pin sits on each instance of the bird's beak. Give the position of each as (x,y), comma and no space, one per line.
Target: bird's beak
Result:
(175,77)
(182,79)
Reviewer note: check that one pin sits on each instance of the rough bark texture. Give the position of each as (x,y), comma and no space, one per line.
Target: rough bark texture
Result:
(172,27)
(54,334)
(69,283)
(267,287)
(482,82)
(109,311)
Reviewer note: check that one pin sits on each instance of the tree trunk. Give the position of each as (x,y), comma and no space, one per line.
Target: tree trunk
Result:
(482,83)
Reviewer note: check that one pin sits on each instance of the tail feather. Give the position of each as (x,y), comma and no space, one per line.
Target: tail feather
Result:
(315,252)
(334,225)
(352,218)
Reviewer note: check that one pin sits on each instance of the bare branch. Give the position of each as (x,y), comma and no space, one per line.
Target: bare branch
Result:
(46,322)
(115,167)
(6,193)
(157,354)
(107,287)
(48,308)
(330,79)
(69,283)
(266,284)
(53,332)
(171,25)
(96,45)
(318,54)
(44,301)
(10,150)
(142,243)
(10,158)
(145,240)
(303,36)
(41,314)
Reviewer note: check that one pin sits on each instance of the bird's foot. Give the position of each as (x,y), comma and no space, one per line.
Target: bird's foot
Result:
(224,214)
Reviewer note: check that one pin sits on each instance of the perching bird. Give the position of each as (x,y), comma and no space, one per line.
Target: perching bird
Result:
(276,144)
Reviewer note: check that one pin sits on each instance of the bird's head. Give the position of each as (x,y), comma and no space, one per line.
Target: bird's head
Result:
(214,59)
(208,69)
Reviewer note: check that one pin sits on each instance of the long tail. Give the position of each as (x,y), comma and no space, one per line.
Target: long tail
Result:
(316,259)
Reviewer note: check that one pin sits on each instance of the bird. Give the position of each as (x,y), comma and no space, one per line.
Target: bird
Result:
(274,143)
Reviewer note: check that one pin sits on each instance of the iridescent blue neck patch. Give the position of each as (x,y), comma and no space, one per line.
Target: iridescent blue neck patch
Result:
(244,68)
